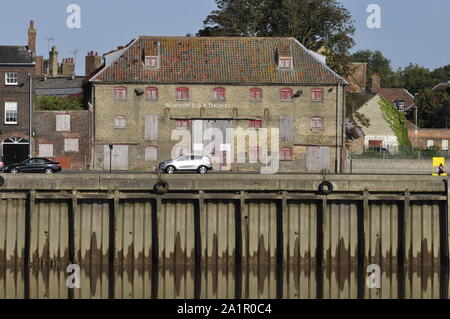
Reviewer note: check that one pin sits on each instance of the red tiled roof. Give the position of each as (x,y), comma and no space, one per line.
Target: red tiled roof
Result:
(393,95)
(233,60)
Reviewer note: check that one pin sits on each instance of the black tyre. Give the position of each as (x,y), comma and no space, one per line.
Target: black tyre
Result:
(2,181)
(161,187)
(325,188)
(202,169)
(170,170)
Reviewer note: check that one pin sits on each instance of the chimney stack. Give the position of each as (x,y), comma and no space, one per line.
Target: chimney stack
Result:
(32,38)
(93,62)
(376,81)
(68,67)
(53,63)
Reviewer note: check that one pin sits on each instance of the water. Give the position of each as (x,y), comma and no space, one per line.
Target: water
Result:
(260,282)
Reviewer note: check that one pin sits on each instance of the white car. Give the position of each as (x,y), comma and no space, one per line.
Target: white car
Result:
(200,163)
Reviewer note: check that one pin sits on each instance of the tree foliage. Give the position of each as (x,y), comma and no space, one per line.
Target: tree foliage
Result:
(323,25)
(433,108)
(55,103)
(376,63)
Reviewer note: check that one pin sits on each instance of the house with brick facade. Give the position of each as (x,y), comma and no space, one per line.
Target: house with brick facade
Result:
(17,68)
(156,91)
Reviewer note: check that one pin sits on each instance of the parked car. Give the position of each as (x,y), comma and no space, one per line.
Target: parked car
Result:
(34,165)
(2,165)
(199,163)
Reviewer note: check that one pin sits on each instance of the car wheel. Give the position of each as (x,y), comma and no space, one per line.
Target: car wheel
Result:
(48,171)
(202,170)
(15,171)
(170,170)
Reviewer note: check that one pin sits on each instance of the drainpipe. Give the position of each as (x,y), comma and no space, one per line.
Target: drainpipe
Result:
(30,144)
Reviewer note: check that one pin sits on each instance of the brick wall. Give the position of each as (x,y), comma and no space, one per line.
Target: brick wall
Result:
(237,107)
(435,135)
(80,128)
(20,94)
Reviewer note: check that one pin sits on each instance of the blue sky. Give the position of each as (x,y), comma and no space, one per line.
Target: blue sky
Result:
(412,30)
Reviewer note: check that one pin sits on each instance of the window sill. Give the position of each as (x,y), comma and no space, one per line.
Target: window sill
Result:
(10,123)
(182,100)
(151,100)
(12,84)
(318,101)
(120,128)
(286,100)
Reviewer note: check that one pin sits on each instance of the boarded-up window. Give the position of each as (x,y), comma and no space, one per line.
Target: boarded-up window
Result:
(62,122)
(151,127)
(151,153)
(71,145)
(45,150)
(445,145)
(255,124)
(120,93)
(318,158)
(286,127)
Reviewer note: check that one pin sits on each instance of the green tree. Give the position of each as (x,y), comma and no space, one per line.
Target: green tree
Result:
(376,63)
(433,108)
(54,103)
(323,25)
(416,78)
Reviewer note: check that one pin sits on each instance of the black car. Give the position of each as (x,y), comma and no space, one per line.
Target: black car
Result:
(33,165)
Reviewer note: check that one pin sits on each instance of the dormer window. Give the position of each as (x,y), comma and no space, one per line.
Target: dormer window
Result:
(285,63)
(151,61)
(400,105)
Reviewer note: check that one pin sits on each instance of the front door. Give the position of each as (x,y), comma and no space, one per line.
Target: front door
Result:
(15,151)
(118,158)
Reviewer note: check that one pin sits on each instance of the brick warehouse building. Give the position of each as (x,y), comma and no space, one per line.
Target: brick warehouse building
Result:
(155,85)
(17,68)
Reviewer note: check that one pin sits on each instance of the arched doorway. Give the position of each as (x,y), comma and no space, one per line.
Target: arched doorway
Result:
(15,150)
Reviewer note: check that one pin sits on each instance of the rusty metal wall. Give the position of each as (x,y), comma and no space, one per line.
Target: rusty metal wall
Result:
(133,234)
(176,233)
(92,233)
(12,232)
(49,240)
(340,249)
(218,232)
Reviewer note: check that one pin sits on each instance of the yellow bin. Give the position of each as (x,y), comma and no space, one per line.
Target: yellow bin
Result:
(439,166)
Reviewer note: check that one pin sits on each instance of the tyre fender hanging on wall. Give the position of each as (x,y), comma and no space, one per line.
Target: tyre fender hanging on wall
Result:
(325,188)
(161,187)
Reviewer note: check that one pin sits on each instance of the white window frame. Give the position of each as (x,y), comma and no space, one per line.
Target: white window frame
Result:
(444,145)
(120,118)
(8,108)
(285,58)
(7,82)
(430,143)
